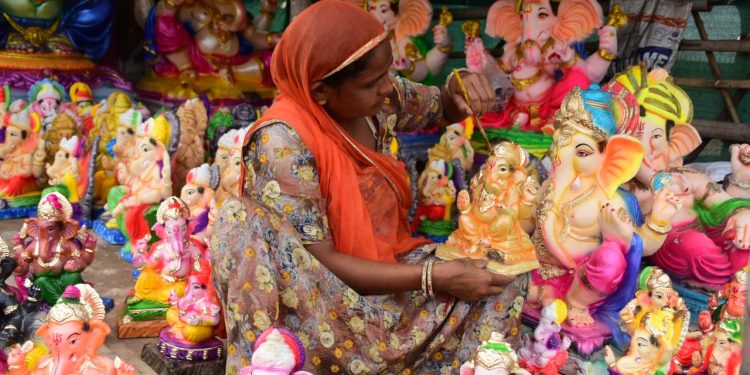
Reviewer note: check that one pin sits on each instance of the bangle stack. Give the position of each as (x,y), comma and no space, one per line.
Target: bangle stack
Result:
(427,278)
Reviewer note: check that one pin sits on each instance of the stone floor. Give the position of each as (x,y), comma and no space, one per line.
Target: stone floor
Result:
(112,277)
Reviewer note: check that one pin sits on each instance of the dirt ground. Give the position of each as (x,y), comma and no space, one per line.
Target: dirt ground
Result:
(112,277)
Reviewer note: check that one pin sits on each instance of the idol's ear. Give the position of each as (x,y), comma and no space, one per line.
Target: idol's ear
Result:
(622,159)
(683,139)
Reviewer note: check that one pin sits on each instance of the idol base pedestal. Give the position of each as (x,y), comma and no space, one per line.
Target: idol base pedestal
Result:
(585,341)
(129,328)
(168,366)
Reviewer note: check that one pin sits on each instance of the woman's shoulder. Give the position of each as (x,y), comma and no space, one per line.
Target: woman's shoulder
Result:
(275,134)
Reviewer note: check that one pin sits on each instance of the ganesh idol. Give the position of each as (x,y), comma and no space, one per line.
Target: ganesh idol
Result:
(23,155)
(51,249)
(730,299)
(656,339)
(707,241)
(168,263)
(56,28)
(229,160)
(655,293)
(407,21)
(149,179)
(73,332)
(105,126)
(198,194)
(538,36)
(585,235)
(193,320)
(199,46)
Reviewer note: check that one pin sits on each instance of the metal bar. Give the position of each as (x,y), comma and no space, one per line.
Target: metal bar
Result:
(715,67)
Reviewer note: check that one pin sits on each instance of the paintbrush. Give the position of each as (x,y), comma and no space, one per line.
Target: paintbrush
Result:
(468,102)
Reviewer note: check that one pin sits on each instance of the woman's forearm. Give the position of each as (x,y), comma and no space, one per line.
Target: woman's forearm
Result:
(368,277)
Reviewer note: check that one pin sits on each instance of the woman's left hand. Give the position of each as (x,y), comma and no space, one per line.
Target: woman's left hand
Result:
(479,90)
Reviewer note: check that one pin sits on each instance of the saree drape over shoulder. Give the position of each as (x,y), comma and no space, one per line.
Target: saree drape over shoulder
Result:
(311,183)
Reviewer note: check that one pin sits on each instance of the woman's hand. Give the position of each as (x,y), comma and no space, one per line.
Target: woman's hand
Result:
(467,279)
(479,90)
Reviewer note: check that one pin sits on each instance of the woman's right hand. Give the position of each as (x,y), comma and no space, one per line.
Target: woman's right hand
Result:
(467,279)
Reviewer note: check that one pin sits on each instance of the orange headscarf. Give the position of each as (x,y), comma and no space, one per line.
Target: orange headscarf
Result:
(321,40)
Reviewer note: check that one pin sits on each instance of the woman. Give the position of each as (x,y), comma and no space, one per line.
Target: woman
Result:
(326,249)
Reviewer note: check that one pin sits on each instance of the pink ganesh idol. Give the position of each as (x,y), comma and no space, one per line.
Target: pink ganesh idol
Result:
(73,332)
(730,299)
(538,35)
(277,352)
(708,238)
(193,320)
(46,99)
(167,265)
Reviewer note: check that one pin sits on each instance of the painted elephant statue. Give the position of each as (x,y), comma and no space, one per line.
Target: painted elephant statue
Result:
(277,352)
(538,36)
(407,21)
(705,240)
(23,154)
(18,321)
(57,27)
(191,150)
(198,195)
(655,340)
(547,351)
(493,357)
(149,176)
(655,292)
(167,265)
(203,46)
(729,301)
(52,249)
(73,332)
(494,217)
(194,317)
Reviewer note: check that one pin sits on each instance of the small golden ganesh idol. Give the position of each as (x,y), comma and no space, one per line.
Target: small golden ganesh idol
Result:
(492,218)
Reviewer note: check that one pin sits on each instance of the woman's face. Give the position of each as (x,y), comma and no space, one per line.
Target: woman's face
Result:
(363,94)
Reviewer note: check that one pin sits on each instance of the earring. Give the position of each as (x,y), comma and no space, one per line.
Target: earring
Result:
(323,101)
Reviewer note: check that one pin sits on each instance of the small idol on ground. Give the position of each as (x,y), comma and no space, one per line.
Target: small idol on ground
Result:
(277,352)
(73,333)
(165,267)
(52,250)
(493,357)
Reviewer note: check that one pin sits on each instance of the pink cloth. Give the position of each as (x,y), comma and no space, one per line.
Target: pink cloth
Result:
(603,267)
(689,253)
(171,36)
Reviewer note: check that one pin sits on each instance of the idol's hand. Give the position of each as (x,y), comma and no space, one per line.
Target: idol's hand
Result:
(740,161)
(738,229)
(478,89)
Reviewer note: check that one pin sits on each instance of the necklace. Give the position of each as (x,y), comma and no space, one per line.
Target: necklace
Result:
(577,201)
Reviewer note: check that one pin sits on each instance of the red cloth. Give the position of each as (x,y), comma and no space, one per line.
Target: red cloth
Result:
(135,221)
(367,192)
(17,185)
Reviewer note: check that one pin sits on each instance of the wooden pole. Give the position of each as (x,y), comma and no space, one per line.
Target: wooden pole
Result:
(715,45)
(715,67)
(727,131)
(709,83)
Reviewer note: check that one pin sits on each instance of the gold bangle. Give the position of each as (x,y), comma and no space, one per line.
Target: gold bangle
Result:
(408,71)
(606,55)
(572,62)
(660,229)
(446,49)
